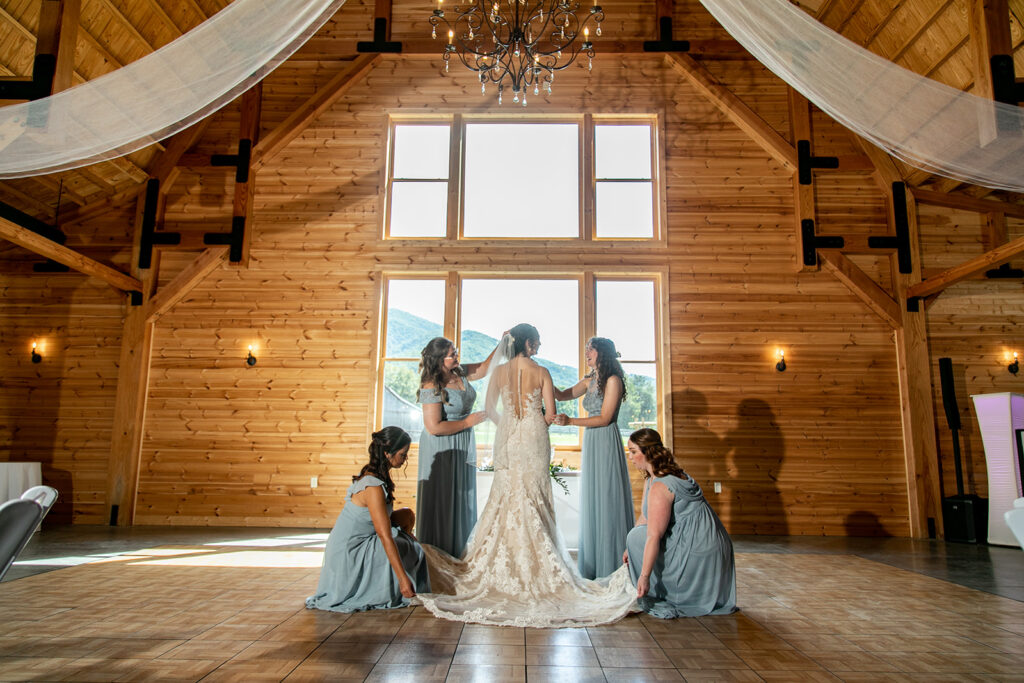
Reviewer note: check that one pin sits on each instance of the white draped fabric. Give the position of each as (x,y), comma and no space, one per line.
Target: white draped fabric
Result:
(925,123)
(159,94)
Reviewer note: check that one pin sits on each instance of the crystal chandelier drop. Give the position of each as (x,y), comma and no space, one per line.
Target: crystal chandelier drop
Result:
(517,42)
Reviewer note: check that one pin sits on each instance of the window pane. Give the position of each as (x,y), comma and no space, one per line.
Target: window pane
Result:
(625,209)
(490,306)
(401,383)
(623,151)
(640,409)
(421,152)
(625,314)
(419,209)
(415,316)
(522,180)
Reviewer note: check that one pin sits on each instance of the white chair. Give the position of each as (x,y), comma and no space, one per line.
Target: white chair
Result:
(1015,520)
(19,519)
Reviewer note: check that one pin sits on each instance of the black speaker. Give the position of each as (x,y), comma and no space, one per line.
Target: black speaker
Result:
(949,393)
(965,519)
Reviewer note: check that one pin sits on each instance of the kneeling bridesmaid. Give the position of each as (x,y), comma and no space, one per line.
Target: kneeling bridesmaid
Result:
(372,561)
(680,556)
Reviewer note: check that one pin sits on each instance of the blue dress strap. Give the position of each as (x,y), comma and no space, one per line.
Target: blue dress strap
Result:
(364,483)
(429,396)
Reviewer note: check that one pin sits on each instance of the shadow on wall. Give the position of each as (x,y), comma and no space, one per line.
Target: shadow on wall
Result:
(864,523)
(756,450)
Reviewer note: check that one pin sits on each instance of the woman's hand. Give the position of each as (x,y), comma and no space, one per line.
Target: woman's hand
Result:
(561,419)
(643,584)
(406,587)
(473,419)
(625,557)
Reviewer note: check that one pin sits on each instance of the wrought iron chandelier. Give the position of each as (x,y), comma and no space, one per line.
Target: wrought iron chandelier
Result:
(522,42)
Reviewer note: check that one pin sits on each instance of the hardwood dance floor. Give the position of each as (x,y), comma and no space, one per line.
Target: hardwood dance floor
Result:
(233,611)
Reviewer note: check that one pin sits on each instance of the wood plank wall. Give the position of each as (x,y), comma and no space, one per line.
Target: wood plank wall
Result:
(814,450)
(60,411)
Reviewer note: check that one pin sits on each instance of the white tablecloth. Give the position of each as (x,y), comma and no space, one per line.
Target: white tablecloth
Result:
(18,477)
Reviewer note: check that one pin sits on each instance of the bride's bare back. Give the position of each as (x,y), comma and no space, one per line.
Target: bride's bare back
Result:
(521,382)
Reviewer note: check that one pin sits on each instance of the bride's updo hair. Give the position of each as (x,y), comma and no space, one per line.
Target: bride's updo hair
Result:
(661,459)
(522,333)
(387,440)
(432,365)
(607,363)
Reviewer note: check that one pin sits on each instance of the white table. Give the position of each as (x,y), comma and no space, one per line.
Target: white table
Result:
(18,477)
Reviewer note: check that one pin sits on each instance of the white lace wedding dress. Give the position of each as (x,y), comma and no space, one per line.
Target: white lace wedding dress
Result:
(516,571)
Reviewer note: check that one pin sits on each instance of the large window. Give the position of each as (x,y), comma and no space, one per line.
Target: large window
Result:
(585,177)
(567,309)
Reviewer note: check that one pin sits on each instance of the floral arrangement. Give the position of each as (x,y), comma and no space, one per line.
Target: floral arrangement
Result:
(554,469)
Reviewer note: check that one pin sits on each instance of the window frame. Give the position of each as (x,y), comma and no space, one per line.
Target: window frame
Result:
(587,318)
(587,181)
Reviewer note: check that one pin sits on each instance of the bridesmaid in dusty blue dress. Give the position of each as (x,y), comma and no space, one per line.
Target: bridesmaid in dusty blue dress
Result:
(372,561)
(446,487)
(606,500)
(680,556)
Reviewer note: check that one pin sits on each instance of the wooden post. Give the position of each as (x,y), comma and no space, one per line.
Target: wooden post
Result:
(803,195)
(58,31)
(916,405)
(245,192)
(989,31)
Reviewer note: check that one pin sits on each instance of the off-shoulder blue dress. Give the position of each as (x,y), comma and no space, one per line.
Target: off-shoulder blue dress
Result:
(695,573)
(606,500)
(446,486)
(356,574)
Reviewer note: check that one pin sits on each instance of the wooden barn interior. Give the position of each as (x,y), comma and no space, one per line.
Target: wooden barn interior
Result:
(144,413)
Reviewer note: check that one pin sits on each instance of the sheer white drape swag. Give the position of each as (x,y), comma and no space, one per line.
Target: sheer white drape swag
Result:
(159,94)
(927,124)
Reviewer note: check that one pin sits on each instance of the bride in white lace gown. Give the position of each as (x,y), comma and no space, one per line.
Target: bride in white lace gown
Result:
(516,570)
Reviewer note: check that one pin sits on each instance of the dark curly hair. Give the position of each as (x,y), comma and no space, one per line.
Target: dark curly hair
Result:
(661,459)
(432,365)
(607,363)
(522,333)
(386,441)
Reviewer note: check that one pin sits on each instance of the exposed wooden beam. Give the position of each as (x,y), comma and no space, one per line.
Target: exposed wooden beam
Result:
(967,203)
(804,206)
(863,287)
(57,35)
(967,269)
(734,108)
(328,48)
(989,30)
(70,258)
(277,139)
(177,289)
(126,24)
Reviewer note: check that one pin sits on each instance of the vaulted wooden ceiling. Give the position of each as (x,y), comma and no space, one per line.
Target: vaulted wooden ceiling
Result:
(930,37)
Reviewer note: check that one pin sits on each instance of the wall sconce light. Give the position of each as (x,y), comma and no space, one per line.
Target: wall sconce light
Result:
(36,358)
(1014,366)
(250,360)
(781,364)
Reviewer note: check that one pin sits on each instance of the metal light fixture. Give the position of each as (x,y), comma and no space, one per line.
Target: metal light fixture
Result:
(250,360)
(1014,366)
(36,357)
(518,43)
(781,364)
